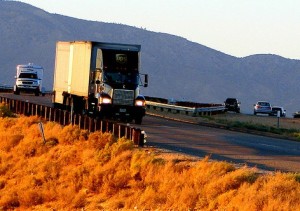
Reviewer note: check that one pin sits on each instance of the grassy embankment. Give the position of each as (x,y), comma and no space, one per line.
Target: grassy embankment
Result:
(75,170)
(261,127)
(287,127)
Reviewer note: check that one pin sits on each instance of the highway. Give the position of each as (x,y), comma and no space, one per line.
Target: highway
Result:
(239,148)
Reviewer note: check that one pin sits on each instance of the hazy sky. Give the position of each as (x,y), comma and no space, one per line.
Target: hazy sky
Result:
(235,27)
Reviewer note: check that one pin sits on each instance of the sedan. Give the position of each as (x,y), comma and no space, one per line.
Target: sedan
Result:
(262,107)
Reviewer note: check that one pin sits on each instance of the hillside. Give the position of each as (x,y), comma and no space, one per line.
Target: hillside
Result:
(75,170)
(178,68)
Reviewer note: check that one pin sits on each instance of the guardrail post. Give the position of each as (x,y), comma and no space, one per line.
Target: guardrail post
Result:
(17,107)
(120,131)
(137,137)
(82,122)
(32,109)
(65,116)
(91,126)
(100,123)
(128,133)
(106,126)
(96,123)
(49,114)
(11,105)
(22,107)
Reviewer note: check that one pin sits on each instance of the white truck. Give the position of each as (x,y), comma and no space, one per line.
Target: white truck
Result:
(29,79)
(100,80)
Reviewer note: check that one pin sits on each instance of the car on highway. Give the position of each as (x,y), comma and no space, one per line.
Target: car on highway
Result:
(275,109)
(296,114)
(262,107)
(232,104)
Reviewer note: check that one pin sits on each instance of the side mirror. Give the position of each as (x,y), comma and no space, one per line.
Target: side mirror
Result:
(146,81)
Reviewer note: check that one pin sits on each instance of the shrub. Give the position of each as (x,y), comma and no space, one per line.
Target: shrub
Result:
(5,112)
(72,133)
(77,170)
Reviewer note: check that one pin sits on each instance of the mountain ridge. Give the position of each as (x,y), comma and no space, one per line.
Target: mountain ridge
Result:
(178,68)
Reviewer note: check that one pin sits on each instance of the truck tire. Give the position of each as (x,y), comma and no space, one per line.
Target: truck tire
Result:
(37,92)
(138,120)
(16,91)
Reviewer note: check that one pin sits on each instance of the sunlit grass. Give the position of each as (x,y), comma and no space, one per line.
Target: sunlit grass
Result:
(77,170)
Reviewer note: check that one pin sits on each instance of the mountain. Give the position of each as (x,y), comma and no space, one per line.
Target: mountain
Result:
(177,67)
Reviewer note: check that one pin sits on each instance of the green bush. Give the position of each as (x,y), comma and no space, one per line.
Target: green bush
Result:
(5,112)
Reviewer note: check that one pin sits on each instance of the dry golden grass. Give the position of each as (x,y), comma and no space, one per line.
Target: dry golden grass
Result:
(75,170)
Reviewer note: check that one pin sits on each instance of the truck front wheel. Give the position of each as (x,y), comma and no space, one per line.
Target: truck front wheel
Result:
(37,92)
(16,91)
(138,120)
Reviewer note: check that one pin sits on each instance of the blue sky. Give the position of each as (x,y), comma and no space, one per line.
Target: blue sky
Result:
(235,27)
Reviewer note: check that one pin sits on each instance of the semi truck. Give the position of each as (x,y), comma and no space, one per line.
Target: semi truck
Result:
(99,79)
(29,79)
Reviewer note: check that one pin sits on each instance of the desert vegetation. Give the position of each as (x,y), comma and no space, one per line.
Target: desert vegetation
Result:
(77,170)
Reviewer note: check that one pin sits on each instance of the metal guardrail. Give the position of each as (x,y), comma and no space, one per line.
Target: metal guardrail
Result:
(190,111)
(4,88)
(64,117)
(9,89)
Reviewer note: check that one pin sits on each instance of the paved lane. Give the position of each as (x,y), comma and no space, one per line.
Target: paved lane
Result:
(263,152)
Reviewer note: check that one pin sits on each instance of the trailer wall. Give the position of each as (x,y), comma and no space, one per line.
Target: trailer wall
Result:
(72,69)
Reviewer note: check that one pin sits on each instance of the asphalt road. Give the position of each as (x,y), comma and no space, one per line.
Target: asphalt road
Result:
(255,151)
(241,148)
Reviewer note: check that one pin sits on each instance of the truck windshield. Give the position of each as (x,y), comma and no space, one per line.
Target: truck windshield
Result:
(28,75)
(121,78)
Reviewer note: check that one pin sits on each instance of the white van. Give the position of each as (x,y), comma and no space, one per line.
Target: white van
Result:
(29,79)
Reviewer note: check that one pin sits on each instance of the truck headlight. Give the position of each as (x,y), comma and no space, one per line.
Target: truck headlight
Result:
(105,100)
(139,102)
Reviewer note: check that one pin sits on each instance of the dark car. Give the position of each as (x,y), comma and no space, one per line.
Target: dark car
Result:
(232,104)
(296,114)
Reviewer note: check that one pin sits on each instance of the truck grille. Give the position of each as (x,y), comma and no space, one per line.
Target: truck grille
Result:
(27,82)
(123,97)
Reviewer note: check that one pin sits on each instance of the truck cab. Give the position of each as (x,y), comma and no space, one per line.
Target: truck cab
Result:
(116,84)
